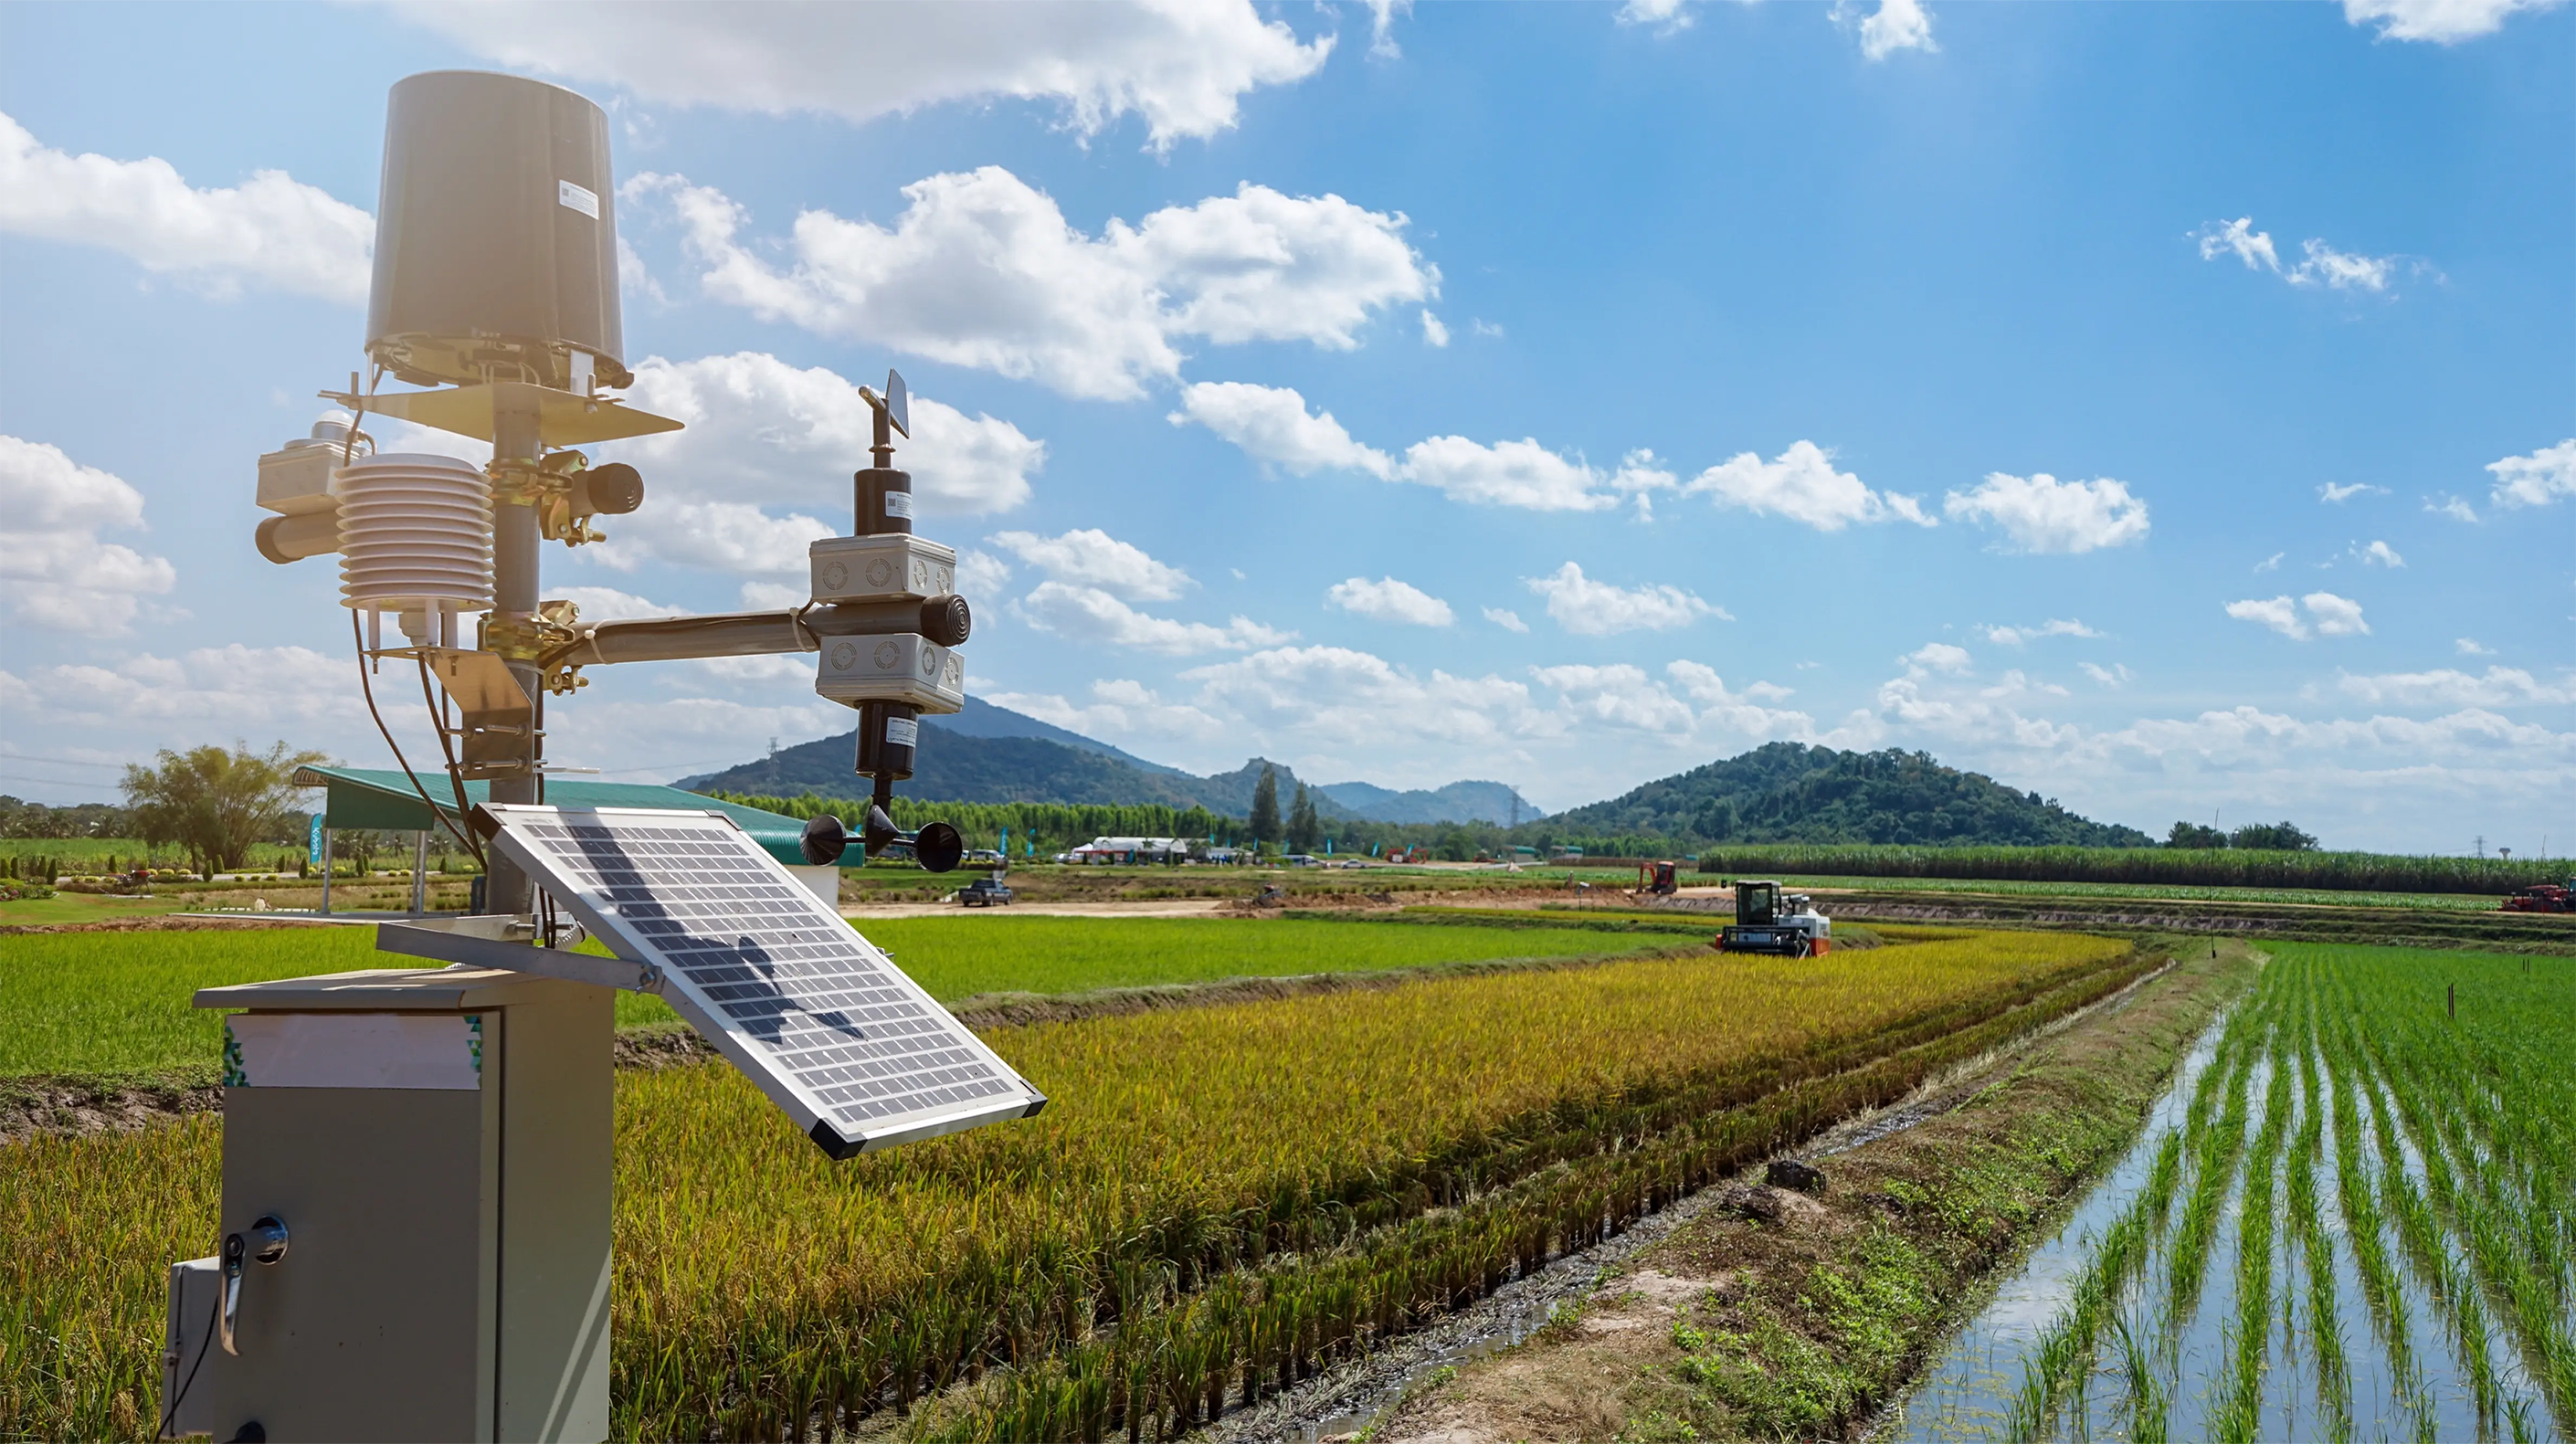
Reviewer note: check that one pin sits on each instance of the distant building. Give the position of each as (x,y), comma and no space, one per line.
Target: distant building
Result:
(1131,850)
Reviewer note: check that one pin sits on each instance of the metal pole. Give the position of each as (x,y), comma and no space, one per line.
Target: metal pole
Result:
(514,599)
(326,872)
(420,872)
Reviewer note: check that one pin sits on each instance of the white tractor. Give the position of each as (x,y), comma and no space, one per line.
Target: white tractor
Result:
(1770,921)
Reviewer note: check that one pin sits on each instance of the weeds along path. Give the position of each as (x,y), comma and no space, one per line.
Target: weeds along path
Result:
(1798,1322)
(1217,1197)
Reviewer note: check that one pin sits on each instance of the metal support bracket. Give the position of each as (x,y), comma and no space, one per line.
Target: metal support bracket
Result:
(480,952)
(497,714)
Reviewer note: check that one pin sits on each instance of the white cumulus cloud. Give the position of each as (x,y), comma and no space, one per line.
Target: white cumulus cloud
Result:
(1668,17)
(55,570)
(760,426)
(2327,614)
(2041,514)
(2279,613)
(1506,618)
(2444,687)
(1896,25)
(1271,425)
(2545,476)
(1093,558)
(980,573)
(2321,264)
(1389,600)
(2444,22)
(2337,493)
(2379,554)
(1183,65)
(1802,485)
(270,231)
(1597,609)
(2053,627)
(982,269)
(1085,613)
(2334,616)
(2471,647)
(1434,331)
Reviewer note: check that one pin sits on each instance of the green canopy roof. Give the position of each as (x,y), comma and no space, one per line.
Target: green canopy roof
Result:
(382,799)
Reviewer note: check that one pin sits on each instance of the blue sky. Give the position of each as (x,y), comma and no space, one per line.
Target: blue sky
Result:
(2164,408)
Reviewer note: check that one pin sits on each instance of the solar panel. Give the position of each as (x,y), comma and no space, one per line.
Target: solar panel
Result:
(815,1014)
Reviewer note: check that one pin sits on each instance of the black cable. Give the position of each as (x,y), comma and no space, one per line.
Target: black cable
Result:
(447,748)
(369,688)
(214,1317)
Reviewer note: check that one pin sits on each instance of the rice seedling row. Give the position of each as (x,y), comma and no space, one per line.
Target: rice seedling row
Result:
(2446,1136)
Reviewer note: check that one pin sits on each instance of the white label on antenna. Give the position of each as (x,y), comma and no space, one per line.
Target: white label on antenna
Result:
(577,198)
(899,503)
(900,731)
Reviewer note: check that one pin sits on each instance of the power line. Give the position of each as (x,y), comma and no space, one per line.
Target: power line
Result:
(51,781)
(64,761)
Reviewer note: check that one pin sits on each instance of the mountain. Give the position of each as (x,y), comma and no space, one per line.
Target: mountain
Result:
(983,719)
(993,754)
(1458,802)
(1787,792)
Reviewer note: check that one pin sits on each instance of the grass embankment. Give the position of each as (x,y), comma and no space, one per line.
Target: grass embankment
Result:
(1737,1329)
(1315,1170)
(114,1007)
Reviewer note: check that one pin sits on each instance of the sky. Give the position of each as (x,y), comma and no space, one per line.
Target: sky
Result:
(2166,409)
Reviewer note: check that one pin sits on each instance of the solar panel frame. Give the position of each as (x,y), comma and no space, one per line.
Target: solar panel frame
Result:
(640,878)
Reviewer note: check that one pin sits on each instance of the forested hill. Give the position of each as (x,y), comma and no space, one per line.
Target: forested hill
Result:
(993,754)
(1789,792)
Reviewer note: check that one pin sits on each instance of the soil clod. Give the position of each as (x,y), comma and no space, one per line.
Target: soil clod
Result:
(1797,1174)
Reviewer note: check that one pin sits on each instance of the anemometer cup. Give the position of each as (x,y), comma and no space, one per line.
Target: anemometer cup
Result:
(824,841)
(937,847)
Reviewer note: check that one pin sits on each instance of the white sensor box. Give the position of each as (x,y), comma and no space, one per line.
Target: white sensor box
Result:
(910,669)
(888,568)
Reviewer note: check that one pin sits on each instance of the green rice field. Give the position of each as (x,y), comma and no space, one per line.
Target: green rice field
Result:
(116,1004)
(2172,892)
(2351,1222)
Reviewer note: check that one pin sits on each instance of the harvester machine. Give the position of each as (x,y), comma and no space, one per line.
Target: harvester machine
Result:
(1768,920)
(2547,897)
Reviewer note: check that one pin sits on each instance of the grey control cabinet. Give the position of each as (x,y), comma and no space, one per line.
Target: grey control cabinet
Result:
(437,1145)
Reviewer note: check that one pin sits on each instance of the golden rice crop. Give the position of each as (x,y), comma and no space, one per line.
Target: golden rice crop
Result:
(1176,1145)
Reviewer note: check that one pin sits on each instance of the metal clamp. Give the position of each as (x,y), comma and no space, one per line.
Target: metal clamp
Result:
(265,1243)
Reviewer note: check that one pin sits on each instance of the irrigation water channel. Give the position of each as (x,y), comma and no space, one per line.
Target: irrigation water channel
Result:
(1966,1389)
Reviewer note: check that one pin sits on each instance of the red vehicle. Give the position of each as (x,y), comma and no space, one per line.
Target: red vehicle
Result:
(2547,897)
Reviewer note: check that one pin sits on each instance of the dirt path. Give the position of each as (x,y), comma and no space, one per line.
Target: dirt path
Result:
(1705,1322)
(1156,908)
